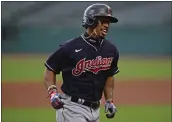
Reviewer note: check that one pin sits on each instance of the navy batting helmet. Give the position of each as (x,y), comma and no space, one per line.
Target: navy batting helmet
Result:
(97,10)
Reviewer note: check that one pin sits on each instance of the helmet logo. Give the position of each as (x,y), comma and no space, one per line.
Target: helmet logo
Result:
(109,11)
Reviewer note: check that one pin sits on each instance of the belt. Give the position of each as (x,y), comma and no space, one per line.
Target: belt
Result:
(87,103)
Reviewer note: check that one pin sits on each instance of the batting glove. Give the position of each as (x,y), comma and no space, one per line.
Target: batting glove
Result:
(56,101)
(55,98)
(110,107)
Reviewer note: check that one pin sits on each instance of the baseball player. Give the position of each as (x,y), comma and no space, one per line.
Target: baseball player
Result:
(88,64)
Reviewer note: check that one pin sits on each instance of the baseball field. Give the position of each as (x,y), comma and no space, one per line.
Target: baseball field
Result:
(142,90)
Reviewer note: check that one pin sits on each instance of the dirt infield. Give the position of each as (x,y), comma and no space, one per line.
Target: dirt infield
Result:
(126,93)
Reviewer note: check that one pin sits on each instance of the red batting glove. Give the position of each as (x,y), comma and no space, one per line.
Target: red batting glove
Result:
(55,98)
(56,101)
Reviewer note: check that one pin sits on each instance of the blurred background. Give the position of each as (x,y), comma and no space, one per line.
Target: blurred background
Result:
(31,31)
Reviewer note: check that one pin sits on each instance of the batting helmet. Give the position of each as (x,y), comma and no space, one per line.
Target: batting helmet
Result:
(97,10)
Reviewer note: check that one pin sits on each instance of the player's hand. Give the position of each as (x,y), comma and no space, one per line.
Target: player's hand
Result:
(110,109)
(56,101)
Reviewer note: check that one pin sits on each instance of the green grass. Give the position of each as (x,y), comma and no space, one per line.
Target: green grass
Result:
(124,114)
(25,69)
(31,69)
(145,68)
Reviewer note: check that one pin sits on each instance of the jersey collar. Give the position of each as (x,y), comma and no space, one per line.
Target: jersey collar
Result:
(95,43)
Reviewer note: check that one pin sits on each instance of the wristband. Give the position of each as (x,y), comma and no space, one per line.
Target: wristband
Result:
(52,89)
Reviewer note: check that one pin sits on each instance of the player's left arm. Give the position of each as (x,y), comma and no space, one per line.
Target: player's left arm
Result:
(110,108)
(109,87)
(110,80)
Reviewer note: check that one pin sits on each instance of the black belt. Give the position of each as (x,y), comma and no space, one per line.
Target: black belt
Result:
(87,103)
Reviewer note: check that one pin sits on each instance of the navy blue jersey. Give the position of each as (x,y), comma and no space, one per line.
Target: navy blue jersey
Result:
(85,65)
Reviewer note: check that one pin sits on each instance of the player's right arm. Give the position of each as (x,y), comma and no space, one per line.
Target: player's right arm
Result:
(54,65)
(49,78)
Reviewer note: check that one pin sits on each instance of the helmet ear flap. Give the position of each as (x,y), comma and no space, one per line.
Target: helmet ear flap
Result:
(94,21)
(89,21)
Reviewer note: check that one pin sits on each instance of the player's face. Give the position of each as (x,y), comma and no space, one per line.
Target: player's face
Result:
(102,27)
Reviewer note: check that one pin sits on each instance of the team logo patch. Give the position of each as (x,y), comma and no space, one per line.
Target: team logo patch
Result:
(93,66)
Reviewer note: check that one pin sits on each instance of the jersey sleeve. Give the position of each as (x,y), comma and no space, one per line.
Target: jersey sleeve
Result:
(56,61)
(114,66)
